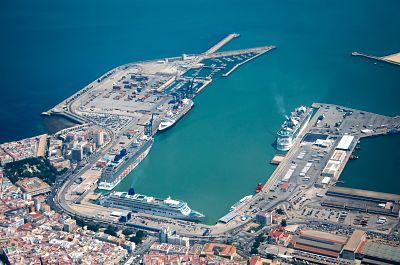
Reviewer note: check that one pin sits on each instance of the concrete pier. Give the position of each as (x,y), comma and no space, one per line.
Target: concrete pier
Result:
(222,43)
(261,49)
(381,59)
(248,60)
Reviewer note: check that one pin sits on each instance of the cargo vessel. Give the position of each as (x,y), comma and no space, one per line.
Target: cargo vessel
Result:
(122,165)
(150,205)
(292,128)
(176,114)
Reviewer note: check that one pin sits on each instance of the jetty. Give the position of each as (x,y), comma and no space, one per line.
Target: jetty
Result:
(385,59)
(221,43)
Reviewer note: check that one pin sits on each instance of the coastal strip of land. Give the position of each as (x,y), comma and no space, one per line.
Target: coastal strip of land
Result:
(391,59)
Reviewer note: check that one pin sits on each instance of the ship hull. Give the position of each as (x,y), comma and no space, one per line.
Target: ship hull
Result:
(142,206)
(132,165)
(174,121)
(283,144)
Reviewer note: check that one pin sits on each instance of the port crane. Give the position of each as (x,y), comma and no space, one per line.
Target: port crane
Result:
(148,127)
(184,92)
(190,91)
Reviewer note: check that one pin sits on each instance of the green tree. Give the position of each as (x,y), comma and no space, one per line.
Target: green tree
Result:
(111,231)
(93,227)
(127,232)
(283,222)
(138,237)
(80,222)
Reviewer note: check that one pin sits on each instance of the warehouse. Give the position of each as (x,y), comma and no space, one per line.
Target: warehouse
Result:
(320,243)
(227,218)
(363,195)
(355,243)
(376,253)
(345,143)
(361,206)
(322,182)
(338,155)
(331,169)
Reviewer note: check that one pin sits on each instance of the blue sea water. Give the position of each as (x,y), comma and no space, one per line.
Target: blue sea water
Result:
(220,151)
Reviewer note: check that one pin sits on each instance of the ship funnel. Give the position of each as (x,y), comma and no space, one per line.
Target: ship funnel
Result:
(131,191)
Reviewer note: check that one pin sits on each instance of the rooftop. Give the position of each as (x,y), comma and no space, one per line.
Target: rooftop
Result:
(390,253)
(32,184)
(365,193)
(220,249)
(354,241)
(324,236)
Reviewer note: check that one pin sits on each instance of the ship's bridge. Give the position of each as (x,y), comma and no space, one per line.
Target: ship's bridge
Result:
(180,205)
(137,197)
(173,203)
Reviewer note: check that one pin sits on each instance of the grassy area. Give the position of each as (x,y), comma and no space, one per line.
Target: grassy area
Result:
(31,167)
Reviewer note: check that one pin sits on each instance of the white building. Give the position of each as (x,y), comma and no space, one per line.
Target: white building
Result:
(345,143)
(166,236)
(99,138)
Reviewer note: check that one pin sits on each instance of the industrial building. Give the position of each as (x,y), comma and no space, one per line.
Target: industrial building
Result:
(379,254)
(345,143)
(227,218)
(353,245)
(331,169)
(322,182)
(363,201)
(320,243)
(363,195)
(388,209)
(338,155)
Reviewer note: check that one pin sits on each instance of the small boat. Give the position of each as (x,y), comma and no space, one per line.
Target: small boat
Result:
(353,157)
(260,186)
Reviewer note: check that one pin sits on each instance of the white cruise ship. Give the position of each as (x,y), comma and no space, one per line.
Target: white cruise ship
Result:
(292,128)
(176,114)
(122,165)
(150,205)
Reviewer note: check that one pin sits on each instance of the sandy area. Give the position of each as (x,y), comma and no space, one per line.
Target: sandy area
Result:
(41,150)
(394,57)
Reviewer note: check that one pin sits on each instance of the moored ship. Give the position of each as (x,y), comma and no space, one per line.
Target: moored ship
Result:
(150,205)
(292,128)
(259,188)
(122,165)
(176,114)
